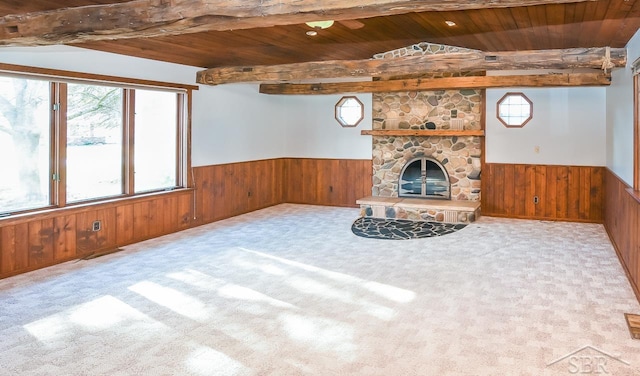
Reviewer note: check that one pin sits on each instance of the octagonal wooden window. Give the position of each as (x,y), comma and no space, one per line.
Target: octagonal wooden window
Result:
(349,111)
(515,110)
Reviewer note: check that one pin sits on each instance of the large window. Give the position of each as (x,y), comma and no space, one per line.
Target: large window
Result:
(64,143)
(94,141)
(24,144)
(156,139)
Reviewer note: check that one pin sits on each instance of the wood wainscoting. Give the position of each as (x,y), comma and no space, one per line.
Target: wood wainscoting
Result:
(36,240)
(571,193)
(226,190)
(622,221)
(335,182)
(33,241)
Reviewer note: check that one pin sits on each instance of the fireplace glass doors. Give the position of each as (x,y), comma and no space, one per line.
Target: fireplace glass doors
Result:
(424,178)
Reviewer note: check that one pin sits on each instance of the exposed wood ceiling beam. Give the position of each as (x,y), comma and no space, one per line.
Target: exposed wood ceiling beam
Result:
(475,82)
(150,18)
(455,62)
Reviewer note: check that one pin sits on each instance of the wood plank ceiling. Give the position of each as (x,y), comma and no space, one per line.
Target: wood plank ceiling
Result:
(587,24)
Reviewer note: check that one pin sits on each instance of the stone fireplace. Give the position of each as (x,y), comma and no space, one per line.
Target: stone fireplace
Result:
(427,149)
(424,176)
(458,157)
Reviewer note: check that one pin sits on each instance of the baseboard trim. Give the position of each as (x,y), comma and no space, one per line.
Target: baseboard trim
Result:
(555,219)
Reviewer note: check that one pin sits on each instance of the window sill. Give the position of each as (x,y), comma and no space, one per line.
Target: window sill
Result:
(52,212)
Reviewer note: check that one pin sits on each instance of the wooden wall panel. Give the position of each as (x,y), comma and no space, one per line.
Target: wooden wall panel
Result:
(551,193)
(307,181)
(168,222)
(520,189)
(38,240)
(332,182)
(236,188)
(89,241)
(573,193)
(41,242)
(597,193)
(508,177)
(562,186)
(223,191)
(141,220)
(573,196)
(9,259)
(183,216)
(530,191)
(220,191)
(622,221)
(292,168)
(20,259)
(124,224)
(206,189)
(540,173)
(219,188)
(64,243)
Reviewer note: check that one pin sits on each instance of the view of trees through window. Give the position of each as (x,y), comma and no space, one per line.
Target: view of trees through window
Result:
(24,143)
(94,141)
(93,138)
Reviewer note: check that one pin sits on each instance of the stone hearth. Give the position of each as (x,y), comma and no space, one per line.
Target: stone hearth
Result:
(446,211)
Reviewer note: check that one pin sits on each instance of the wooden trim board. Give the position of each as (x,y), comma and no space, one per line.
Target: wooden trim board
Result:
(633,323)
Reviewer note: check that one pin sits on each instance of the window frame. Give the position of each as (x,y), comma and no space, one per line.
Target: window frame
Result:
(338,107)
(58,107)
(636,133)
(509,94)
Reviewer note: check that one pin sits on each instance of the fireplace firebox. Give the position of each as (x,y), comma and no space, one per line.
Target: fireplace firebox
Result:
(424,177)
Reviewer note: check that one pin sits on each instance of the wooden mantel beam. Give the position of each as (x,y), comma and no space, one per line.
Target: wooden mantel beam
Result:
(151,18)
(455,62)
(474,82)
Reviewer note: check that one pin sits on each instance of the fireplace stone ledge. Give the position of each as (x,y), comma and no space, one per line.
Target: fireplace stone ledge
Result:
(445,211)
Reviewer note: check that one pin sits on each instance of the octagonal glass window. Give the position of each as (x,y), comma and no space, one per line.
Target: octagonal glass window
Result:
(349,111)
(515,110)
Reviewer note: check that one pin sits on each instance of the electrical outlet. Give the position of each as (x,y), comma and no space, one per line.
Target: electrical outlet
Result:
(536,200)
(97,226)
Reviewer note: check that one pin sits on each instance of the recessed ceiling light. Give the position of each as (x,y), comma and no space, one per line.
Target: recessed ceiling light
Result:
(312,33)
(320,24)
(450,23)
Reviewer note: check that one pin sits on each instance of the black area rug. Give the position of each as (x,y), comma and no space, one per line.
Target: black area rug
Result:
(398,229)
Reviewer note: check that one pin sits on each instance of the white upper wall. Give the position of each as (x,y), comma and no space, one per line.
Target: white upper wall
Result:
(567,128)
(620,116)
(234,123)
(96,62)
(313,131)
(230,123)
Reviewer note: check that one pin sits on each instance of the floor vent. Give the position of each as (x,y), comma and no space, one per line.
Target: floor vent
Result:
(100,254)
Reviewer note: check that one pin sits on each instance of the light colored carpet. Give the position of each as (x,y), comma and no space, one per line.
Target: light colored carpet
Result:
(289,290)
